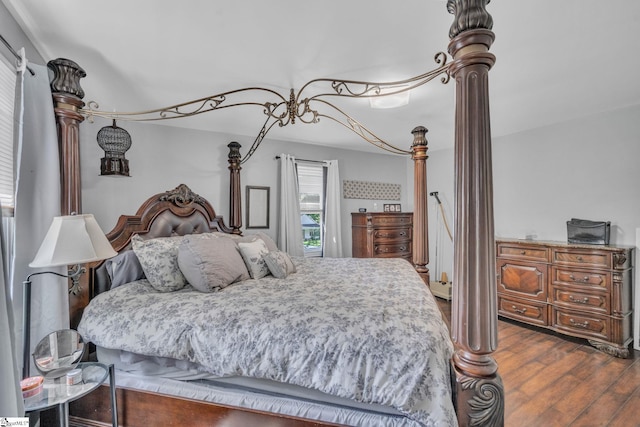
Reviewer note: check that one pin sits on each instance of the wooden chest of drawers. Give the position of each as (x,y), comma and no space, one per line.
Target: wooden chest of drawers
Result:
(382,235)
(579,290)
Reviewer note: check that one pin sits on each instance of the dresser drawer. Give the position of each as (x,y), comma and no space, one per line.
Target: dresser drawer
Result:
(390,220)
(596,280)
(523,251)
(382,235)
(522,280)
(393,250)
(579,300)
(535,313)
(581,324)
(581,258)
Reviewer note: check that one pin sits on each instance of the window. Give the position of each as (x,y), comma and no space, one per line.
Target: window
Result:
(311,188)
(7,195)
(7,96)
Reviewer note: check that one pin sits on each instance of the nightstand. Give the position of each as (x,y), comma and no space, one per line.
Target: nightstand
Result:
(56,392)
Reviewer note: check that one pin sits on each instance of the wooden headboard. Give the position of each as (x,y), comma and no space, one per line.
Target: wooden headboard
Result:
(176,212)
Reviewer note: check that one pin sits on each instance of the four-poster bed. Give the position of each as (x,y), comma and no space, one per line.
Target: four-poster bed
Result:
(477,388)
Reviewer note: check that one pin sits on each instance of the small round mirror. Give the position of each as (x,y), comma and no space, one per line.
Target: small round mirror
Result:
(58,353)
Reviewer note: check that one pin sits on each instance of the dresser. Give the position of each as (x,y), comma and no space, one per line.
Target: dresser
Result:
(382,235)
(580,290)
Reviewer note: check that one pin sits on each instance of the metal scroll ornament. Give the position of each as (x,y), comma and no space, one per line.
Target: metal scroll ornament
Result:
(282,110)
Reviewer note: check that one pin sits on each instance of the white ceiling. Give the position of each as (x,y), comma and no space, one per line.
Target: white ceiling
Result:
(556,60)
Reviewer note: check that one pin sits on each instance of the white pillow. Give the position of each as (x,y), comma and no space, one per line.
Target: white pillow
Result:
(252,253)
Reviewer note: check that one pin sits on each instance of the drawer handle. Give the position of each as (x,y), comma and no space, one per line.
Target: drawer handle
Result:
(523,252)
(402,233)
(579,258)
(585,279)
(583,325)
(519,310)
(403,248)
(584,300)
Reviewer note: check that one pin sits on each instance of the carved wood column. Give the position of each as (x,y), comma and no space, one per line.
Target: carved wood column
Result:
(235,198)
(478,387)
(420,213)
(67,99)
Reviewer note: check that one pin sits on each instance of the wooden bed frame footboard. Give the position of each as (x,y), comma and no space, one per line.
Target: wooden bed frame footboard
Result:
(478,390)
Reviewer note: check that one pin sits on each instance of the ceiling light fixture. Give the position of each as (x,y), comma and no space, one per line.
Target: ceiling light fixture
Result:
(390,99)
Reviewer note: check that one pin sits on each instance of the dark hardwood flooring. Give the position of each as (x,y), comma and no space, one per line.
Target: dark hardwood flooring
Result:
(552,380)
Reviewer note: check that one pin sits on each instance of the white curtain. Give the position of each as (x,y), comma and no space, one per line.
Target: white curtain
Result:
(289,225)
(333,227)
(37,202)
(11,403)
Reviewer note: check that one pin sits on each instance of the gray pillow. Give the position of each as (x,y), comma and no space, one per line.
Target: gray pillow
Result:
(124,268)
(271,245)
(279,263)
(210,265)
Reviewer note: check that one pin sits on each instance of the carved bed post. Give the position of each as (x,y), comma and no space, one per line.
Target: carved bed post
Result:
(420,216)
(67,99)
(235,200)
(478,388)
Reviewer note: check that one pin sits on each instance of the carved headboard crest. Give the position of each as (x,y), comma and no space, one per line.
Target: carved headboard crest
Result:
(182,196)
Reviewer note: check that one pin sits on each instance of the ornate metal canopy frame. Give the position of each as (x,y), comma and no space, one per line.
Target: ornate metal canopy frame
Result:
(297,106)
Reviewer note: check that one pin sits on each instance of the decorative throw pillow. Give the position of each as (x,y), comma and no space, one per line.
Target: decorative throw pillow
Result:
(280,264)
(210,265)
(159,260)
(124,268)
(252,253)
(271,245)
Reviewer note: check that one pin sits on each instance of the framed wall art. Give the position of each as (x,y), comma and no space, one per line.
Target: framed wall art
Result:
(257,207)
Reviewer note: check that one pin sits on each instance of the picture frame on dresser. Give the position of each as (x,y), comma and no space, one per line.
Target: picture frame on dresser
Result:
(392,207)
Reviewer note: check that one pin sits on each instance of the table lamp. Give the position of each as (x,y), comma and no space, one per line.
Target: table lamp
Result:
(71,240)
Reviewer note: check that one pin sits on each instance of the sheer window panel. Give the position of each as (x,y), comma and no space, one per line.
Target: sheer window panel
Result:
(7,193)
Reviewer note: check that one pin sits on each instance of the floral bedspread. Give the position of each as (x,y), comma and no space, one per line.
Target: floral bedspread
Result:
(364,329)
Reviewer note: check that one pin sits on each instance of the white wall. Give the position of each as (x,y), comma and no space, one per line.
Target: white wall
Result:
(163,157)
(13,34)
(587,168)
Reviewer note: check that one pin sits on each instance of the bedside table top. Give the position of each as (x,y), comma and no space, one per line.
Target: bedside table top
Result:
(56,391)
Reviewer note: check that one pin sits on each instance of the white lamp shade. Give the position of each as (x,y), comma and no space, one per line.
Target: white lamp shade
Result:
(73,239)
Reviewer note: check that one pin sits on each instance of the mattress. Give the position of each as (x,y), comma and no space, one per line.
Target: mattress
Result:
(364,330)
(187,380)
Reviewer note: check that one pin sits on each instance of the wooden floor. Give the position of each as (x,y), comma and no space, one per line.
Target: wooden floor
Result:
(552,380)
